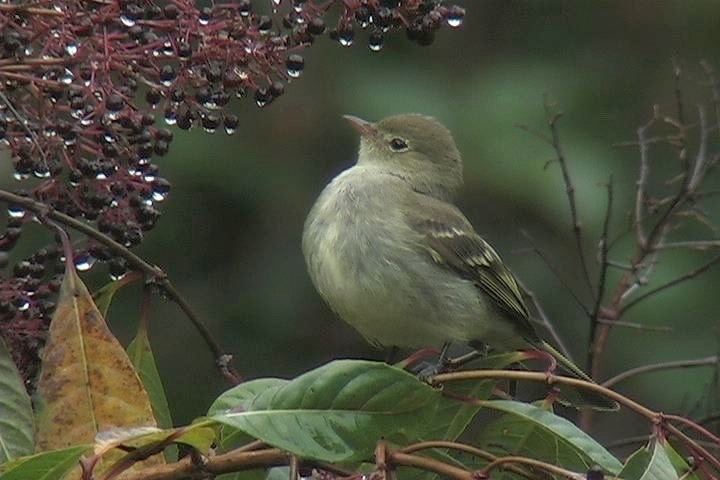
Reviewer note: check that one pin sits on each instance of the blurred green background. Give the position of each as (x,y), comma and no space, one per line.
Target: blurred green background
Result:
(230,234)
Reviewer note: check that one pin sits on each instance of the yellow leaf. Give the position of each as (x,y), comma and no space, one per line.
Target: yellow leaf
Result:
(87,384)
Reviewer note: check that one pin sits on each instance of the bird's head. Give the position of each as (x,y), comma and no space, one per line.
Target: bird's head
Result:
(414,147)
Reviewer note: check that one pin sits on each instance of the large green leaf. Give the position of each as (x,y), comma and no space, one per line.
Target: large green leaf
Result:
(528,430)
(340,411)
(51,465)
(452,417)
(16,415)
(649,463)
(238,399)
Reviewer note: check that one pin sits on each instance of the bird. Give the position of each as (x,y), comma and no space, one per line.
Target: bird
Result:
(390,253)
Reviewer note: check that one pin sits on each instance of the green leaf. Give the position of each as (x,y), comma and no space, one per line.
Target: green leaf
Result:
(241,395)
(52,465)
(338,412)
(679,463)
(104,297)
(16,415)
(143,360)
(649,463)
(532,431)
(237,399)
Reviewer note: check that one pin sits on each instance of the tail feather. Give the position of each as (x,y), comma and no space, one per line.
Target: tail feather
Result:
(576,397)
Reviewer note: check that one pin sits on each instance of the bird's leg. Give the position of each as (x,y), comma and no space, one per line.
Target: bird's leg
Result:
(427,371)
(415,356)
(480,351)
(543,356)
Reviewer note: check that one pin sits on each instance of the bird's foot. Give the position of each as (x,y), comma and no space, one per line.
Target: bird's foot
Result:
(415,357)
(543,356)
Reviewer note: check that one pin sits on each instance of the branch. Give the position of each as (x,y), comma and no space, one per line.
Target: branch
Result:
(545,320)
(691,274)
(569,190)
(153,272)
(653,367)
(656,418)
(604,265)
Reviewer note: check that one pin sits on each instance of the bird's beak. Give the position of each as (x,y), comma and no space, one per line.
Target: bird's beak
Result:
(363,127)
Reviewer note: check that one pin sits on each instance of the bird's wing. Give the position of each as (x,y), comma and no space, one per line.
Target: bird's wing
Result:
(452,243)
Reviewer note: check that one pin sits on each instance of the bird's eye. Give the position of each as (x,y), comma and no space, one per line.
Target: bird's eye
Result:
(398,144)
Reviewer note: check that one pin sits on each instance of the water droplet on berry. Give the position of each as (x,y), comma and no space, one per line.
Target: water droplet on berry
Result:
(20,176)
(127,21)
(84,262)
(455,16)
(67,77)
(22,304)
(71,49)
(376,42)
(117,276)
(16,212)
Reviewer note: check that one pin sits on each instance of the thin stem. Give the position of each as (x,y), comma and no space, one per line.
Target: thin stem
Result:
(545,320)
(569,190)
(654,367)
(691,274)
(430,465)
(604,265)
(461,447)
(155,273)
(537,464)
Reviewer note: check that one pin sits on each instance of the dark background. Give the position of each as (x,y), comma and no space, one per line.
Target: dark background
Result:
(230,234)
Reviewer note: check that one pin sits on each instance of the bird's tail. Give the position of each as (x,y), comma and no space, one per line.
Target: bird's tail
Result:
(574,396)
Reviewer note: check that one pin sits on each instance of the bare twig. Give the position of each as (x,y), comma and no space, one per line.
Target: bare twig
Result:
(636,326)
(461,447)
(153,272)
(534,248)
(654,367)
(690,275)
(553,119)
(544,320)
(604,250)
(690,244)
(641,183)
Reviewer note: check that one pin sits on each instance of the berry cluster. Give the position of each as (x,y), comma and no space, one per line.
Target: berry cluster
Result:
(90,91)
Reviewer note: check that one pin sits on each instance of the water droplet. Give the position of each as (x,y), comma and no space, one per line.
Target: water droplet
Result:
(71,49)
(117,276)
(101,176)
(209,129)
(127,21)
(67,77)
(41,172)
(455,16)
(148,177)
(230,131)
(22,304)
(16,212)
(20,176)
(29,50)
(84,262)
(376,42)
(170,117)
(157,197)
